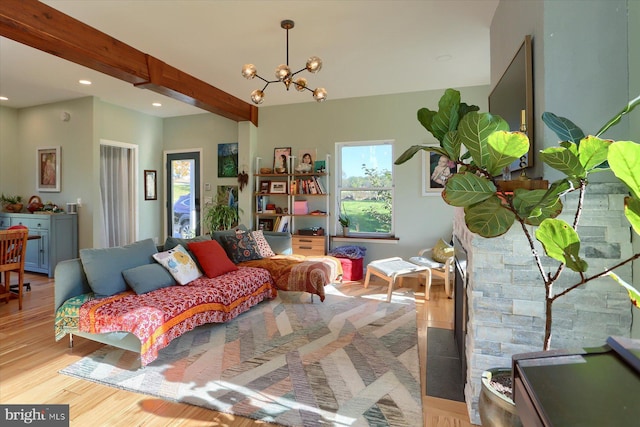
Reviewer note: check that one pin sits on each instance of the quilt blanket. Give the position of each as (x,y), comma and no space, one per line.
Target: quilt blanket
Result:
(300,273)
(159,316)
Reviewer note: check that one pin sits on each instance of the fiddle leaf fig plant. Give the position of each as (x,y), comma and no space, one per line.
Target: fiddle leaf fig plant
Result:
(491,212)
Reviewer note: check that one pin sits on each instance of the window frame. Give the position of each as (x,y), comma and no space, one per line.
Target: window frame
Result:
(339,187)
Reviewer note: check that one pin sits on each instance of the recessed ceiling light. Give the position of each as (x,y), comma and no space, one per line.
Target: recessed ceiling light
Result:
(84,82)
(443,58)
(157,104)
(3,98)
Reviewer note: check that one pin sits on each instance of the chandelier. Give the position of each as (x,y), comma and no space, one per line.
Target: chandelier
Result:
(283,74)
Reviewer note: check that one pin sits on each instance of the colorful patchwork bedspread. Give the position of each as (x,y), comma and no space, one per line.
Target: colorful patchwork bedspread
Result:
(300,273)
(159,316)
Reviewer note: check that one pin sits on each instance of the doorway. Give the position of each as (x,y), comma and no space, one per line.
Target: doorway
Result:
(183,194)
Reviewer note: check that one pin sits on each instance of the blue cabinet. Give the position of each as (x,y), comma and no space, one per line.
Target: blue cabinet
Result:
(58,238)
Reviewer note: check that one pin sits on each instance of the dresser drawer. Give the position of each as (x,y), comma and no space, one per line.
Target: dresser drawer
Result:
(32,223)
(308,245)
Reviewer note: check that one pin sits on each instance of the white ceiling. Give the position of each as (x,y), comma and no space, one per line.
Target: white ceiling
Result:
(368,47)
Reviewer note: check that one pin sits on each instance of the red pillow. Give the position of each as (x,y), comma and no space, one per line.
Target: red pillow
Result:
(212,258)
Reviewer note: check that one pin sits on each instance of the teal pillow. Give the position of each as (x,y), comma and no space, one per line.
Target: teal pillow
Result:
(172,242)
(104,267)
(147,278)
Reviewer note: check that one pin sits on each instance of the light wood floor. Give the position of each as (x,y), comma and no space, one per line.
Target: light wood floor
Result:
(30,359)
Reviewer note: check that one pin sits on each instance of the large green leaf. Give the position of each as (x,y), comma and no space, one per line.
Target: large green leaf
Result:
(489,218)
(632,212)
(451,144)
(411,151)
(634,295)
(474,130)
(626,110)
(536,205)
(446,119)
(593,152)
(464,189)
(624,160)
(561,242)
(504,149)
(563,160)
(564,128)
(425,117)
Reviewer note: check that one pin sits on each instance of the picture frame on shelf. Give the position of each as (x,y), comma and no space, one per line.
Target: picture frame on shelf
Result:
(278,187)
(436,169)
(265,224)
(281,159)
(265,186)
(306,159)
(48,169)
(320,166)
(150,184)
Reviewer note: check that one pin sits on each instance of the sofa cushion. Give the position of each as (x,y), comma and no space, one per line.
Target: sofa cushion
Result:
(263,246)
(217,235)
(147,278)
(240,247)
(280,243)
(103,267)
(212,258)
(179,263)
(172,242)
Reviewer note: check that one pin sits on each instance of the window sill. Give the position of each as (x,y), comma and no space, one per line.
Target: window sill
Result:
(384,240)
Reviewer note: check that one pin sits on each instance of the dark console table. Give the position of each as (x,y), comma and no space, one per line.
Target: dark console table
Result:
(592,387)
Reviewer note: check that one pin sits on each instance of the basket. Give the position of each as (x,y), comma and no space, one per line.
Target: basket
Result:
(35,204)
(266,170)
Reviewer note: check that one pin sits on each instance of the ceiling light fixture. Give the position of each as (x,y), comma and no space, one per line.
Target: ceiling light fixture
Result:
(3,98)
(284,74)
(156,104)
(84,82)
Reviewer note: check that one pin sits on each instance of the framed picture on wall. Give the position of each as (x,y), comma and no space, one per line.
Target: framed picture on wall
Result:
(48,169)
(436,170)
(228,160)
(150,185)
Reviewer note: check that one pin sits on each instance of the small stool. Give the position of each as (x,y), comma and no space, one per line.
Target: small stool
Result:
(389,269)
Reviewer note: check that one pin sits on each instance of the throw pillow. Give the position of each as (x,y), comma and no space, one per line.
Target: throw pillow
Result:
(179,263)
(241,247)
(442,251)
(147,278)
(103,267)
(263,246)
(172,242)
(212,258)
(217,235)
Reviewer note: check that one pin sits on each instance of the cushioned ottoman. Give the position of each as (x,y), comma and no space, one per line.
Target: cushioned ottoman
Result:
(351,268)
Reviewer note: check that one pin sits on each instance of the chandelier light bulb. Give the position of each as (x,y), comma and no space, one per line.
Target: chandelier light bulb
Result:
(282,72)
(257,96)
(301,84)
(249,71)
(314,64)
(320,94)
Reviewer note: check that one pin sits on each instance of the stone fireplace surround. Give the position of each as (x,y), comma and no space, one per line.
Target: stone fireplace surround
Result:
(505,293)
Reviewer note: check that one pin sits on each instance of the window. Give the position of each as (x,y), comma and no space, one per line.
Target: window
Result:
(364,186)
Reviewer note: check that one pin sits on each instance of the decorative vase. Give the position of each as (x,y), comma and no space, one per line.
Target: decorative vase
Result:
(495,408)
(345,231)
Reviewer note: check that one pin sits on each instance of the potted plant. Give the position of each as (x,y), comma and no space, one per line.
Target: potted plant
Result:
(490,211)
(11,203)
(345,222)
(221,215)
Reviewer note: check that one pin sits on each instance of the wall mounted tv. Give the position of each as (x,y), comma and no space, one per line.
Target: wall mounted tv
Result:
(512,98)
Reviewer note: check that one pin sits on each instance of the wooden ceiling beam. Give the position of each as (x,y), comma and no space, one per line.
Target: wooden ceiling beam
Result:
(42,27)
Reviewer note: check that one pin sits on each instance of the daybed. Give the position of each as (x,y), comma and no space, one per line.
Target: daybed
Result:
(144,319)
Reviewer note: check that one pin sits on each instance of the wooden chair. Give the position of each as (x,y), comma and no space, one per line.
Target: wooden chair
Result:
(13,247)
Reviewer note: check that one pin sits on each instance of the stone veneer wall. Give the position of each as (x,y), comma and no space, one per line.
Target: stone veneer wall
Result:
(506,294)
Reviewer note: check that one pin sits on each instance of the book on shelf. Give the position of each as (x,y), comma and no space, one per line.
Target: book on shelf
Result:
(283,223)
(319,185)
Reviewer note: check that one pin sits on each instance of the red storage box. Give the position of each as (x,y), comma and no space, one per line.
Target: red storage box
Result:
(351,268)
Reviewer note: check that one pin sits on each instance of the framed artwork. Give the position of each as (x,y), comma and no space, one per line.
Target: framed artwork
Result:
(278,187)
(265,186)
(320,166)
(281,159)
(305,160)
(436,169)
(48,169)
(265,224)
(228,160)
(150,185)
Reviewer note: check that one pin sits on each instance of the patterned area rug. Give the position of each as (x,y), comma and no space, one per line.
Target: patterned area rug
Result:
(350,361)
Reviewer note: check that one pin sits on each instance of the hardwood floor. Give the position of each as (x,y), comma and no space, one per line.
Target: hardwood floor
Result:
(30,359)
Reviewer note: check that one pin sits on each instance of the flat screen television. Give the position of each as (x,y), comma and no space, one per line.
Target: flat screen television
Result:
(512,98)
